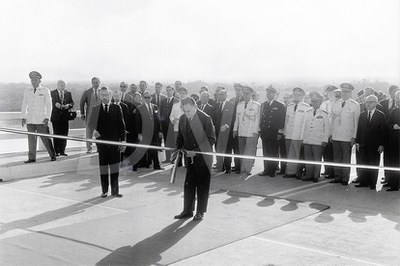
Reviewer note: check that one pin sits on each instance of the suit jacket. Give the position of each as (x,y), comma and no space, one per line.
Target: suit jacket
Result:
(371,133)
(148,125)
(154,100)
(224,117)
(127,115)
(393,136)
(209,110)
(165,112)
(89,100)
(56,113)
(386,109)
(111,125)
(197,134)
(272,120)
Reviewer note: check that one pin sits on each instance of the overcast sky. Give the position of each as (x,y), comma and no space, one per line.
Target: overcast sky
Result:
(270,41)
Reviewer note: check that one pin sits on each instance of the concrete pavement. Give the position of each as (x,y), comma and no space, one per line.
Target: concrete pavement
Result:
(57,218)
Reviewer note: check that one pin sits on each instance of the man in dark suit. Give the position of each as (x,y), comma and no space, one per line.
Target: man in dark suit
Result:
(370,141)
(387,106)
(108,124)
(211,101)
(224,120)
(89,99)
(196,133)
(127,114)
(367,92)
(392,151)
(389,103)
(166,125)
(136,155)
(272,123)
(62,102)
(157,97)
(126,97)
(149,129)
(205,106)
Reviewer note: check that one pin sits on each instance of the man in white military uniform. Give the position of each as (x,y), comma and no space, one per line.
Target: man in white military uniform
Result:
(294,124)
(246,127)
(36,112)
(315,136)
(345,114)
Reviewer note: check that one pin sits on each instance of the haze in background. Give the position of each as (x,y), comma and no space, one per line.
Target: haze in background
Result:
(248,41)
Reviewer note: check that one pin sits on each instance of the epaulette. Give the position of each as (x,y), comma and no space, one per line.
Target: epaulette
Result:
(325,112)
(306,104)
(290,104)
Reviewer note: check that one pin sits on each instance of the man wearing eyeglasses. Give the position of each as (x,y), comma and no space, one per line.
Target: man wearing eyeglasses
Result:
(149,130)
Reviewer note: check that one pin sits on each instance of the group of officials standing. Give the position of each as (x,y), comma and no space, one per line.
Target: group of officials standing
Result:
(306,126)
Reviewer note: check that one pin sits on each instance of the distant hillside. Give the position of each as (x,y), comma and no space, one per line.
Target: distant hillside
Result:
(11,93)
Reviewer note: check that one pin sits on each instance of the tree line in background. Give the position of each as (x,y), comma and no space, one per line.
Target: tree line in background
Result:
(11,93)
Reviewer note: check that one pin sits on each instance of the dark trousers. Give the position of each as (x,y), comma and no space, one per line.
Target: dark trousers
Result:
(60,127)
(369,156)
(152,156)
(32,140)
(282,153)
(224,145)
(109,159)
(270,149)
(313,153)
(235,147)
(169,140)
(393,160)
(342,154)
(197,182)
(328,157)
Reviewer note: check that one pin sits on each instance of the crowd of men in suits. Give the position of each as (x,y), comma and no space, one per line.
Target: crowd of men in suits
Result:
(311,126)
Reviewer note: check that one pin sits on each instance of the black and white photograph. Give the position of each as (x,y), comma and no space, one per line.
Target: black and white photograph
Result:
(151,132)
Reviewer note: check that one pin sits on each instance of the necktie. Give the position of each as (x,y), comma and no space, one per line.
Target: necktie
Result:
(343,103)
(95,94)
(106,108)
(369,116)
(150,113)
(123,97)
(158,100)
(393,104)
(34,90)
(315,112)
(169,99)
(295,107)
(220,107)
(62,97)
(245,105)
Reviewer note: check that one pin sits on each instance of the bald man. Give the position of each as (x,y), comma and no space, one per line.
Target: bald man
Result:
(62,102)
(370,141)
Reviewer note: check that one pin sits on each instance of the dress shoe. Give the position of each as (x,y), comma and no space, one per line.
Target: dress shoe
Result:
(335,181)
(372,187)
(280,173)
(134,169)
(263,173)
(159,168)
(315,180)
(298,177)
(392,189)
(103,195)
(57,154)
(237,172)
(227,171)
(307,179)
(199,216)
(89,151)
(345,183)
(63,154)
(30,161)
(361,185)
(184,215)
(117,195)
(272,175)
(386,185)
(53,158)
